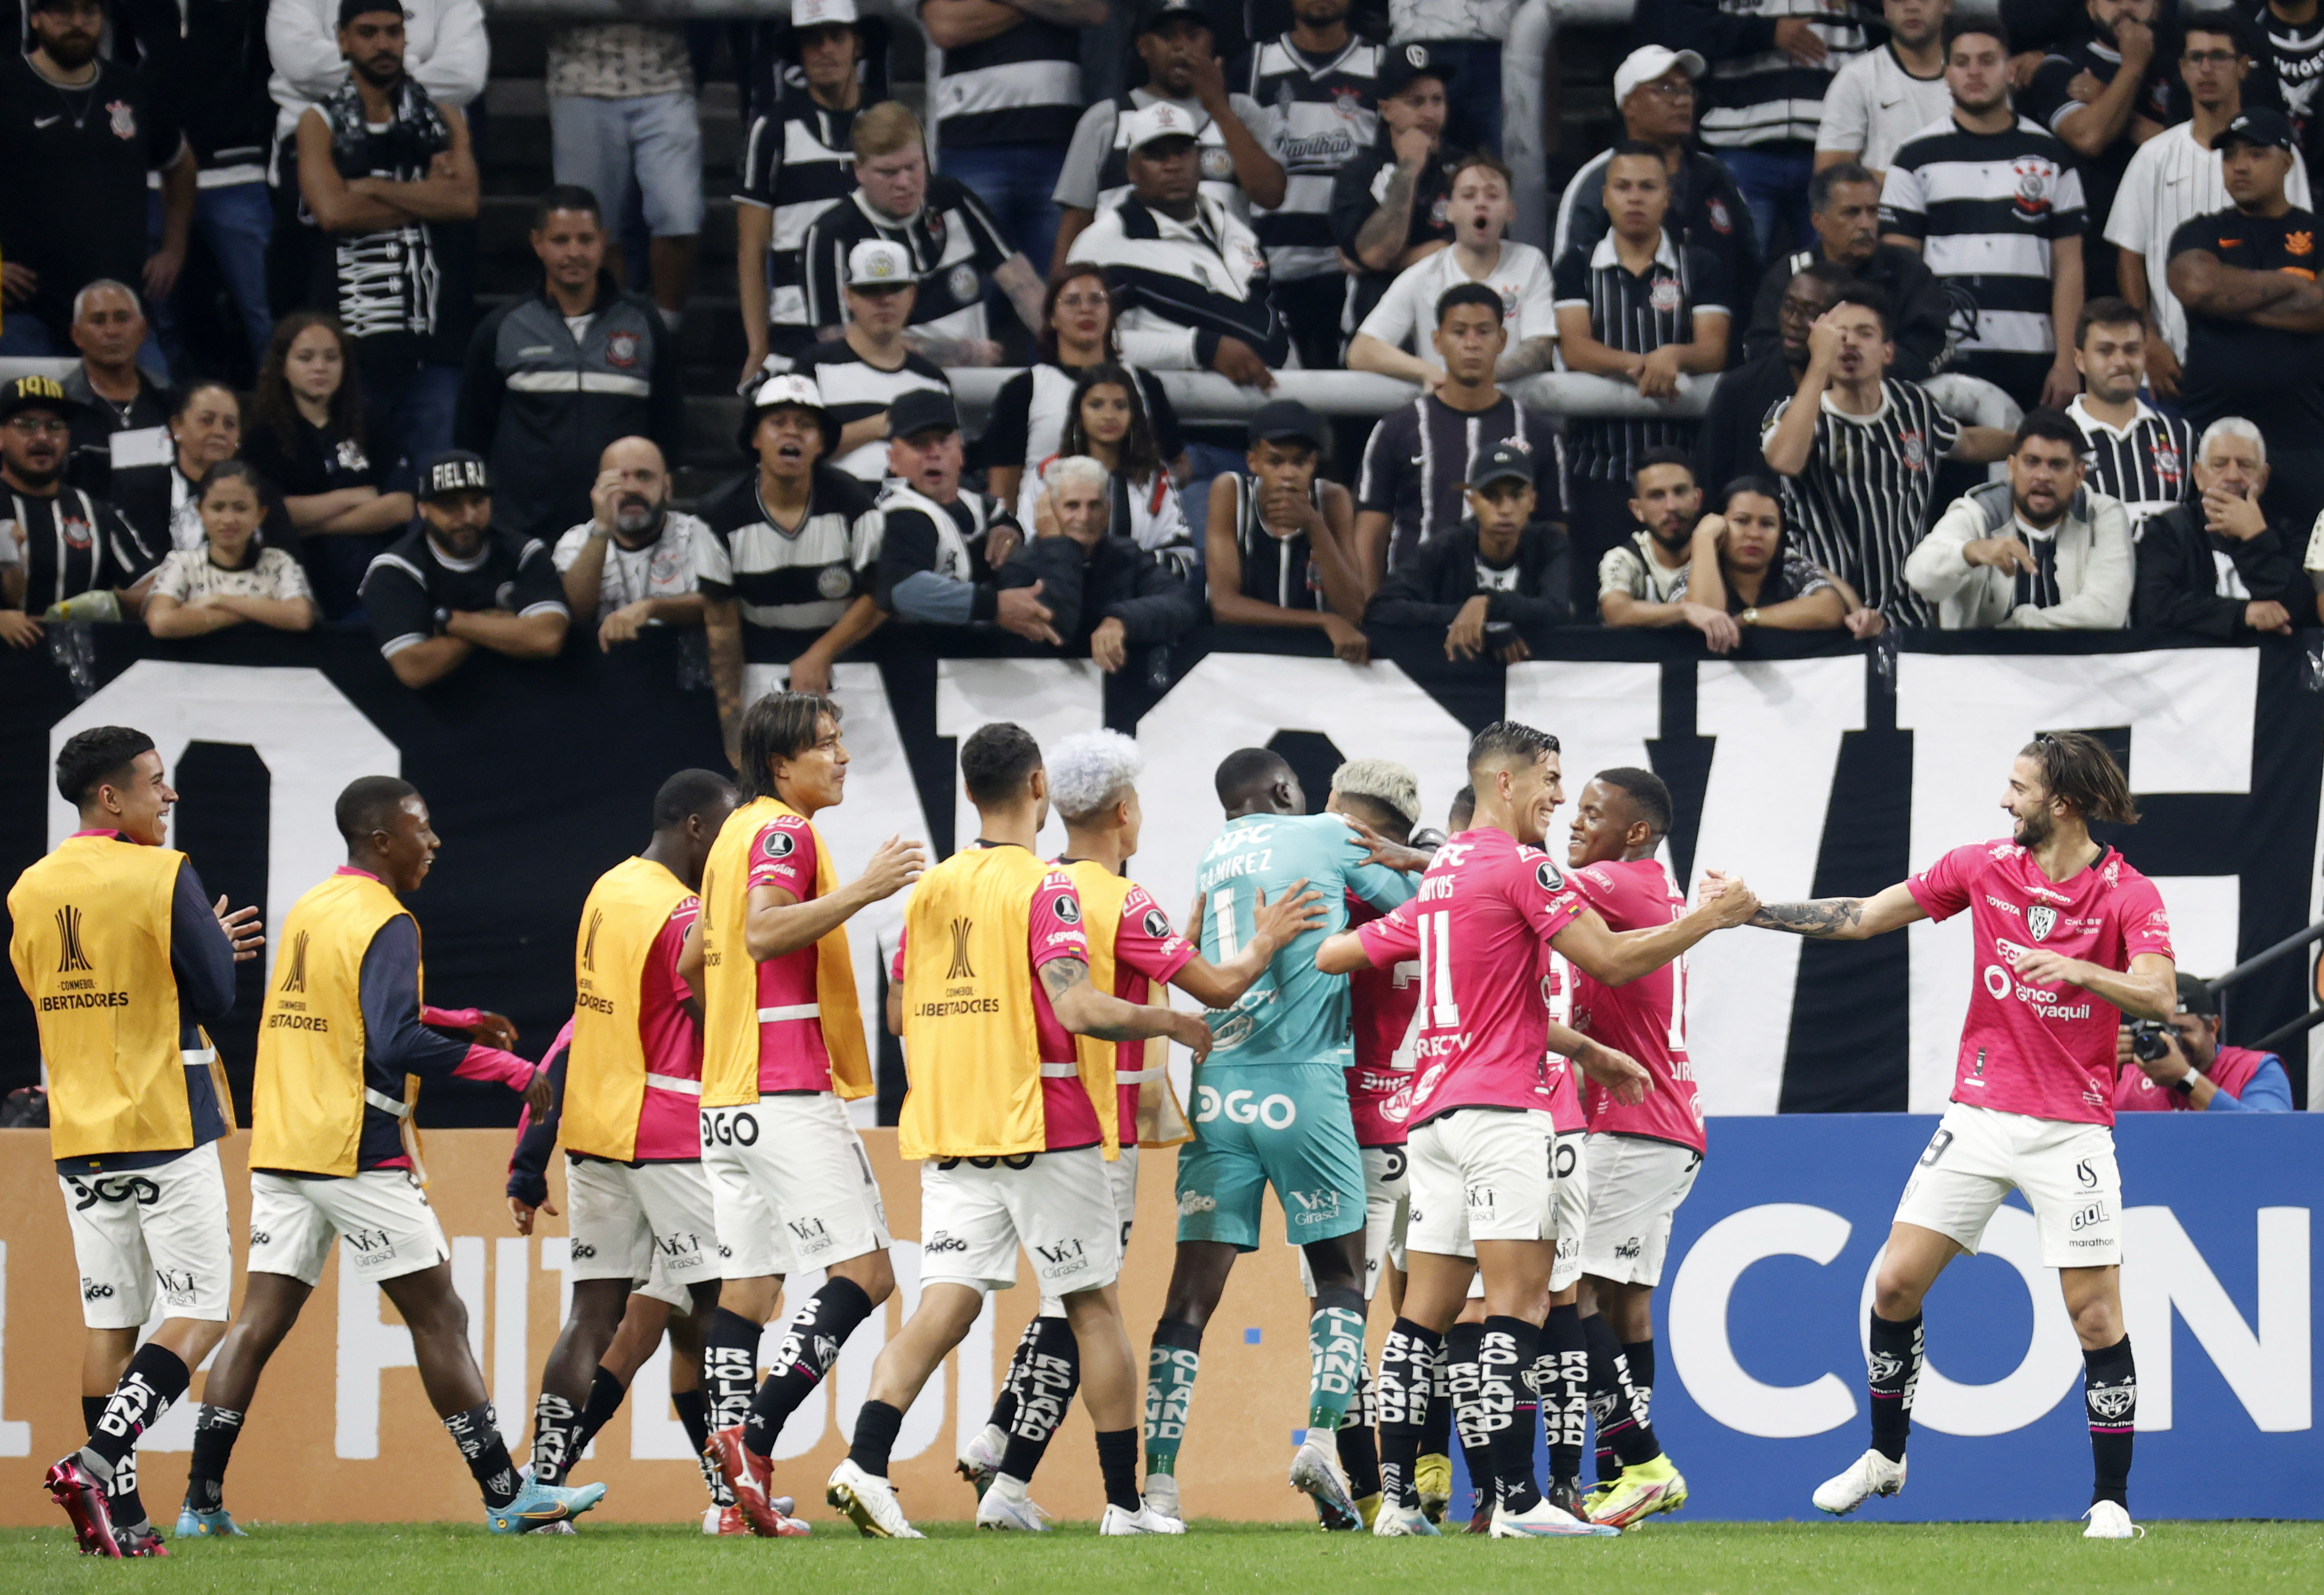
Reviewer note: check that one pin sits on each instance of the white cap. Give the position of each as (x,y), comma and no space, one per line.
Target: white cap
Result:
(875,263)
(1650,61)
(789,388)
(817,13)
(1158,120)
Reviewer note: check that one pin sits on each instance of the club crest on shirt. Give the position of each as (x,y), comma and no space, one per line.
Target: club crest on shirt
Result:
(2040,919)
(1438,210)
(2163,455)
(78,533)
(351,455)
(962,282)
(1722,223)
(123,118)
(2302,244)
(1217,164)
(1915,450)
(2037,185)
(1663,295)
(621,349)
(934,225)
(833,581)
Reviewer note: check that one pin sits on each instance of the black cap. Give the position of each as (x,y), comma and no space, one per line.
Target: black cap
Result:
(454,470)
(1154,14)
(1507,460)
(923,409)
(1287,420)
(351,9)
(2195,996)
(1401,63)
(36,393)
(2260,124)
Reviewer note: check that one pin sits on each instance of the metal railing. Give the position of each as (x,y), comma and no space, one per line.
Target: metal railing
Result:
(2276,1039)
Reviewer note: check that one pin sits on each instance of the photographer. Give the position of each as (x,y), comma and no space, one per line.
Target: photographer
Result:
(2189,1069)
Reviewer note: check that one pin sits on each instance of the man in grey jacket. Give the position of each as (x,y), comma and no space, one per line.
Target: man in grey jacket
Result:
(2038,553)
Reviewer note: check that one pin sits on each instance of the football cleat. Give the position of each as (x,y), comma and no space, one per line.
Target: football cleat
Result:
(1162,1495)
(979,1459)
(1480,1516)
(141,1540)
(1368,1508)
(1869,1475)
(1596,1497)
(1315,1469)
(217,1523)
(746,1475)
(1400,1521)
(1542,1521)
(1145,1520)
(1010,1509)
(1432,1476)
(565,1527)
(2110,1520)
(1641,1491)
(537,1506)
(1566,1495)
(867,1503)
(75,1489)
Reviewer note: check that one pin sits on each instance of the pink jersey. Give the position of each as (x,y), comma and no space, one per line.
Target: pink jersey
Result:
(1381,1001)
(1566,1080)
(791,1053)
(1480,927)
(1647,1017)
(1148,954)
(669,1122)
(2045,1053)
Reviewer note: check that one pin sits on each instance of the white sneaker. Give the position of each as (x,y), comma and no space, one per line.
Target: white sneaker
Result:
(1396,1522)
(1542,1521)
(1315,1468)
(1870,1475)
(979,1459)
(1004,1507)
(868,1503)
(2110,1520)
(1162,1495)
(1145,1520)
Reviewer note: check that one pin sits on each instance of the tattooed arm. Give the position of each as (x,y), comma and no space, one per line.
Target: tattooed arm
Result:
(1085,1010)
(1843,919)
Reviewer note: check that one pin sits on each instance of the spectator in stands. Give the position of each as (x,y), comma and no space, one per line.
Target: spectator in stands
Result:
(1772,62)
(2036,553)
(1012,94)
(2286,42)
(1106,421)
(1183,71)
(205,428)
(2104,94)
(950,240)
(1417,464)
(623,126)
(1501,573)
(2255,319)
(457,582)
(1994,205)
(73,208)
(384,169)
(554,375)
(1654,90)
(1389,204)
(121,411)
(2218,566)
(1188,281)
(1844,209)
(1109,595)
(1027,424)
(1727,446)
(1639,582)
(786,538)
(873,361)
(67,543)
(1319,86)
(1467,37)
(2136,453)
(1887,94)
(1741,566)
(1637,307)
(2195,1073)
(231,576)
(1390,340)
(796,165)
(1857,452)
(632,564)
(2174,177)
(1281,538)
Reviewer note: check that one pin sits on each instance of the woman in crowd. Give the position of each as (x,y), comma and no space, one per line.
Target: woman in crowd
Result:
(229,578)
(158,499)
(1106,420)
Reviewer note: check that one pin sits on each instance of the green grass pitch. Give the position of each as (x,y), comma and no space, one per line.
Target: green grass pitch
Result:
(1232,1559)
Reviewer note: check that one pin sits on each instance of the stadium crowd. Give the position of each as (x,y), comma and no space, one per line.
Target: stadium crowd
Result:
(1878,232)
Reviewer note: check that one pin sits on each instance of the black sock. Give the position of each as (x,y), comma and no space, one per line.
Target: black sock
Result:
(1012,1384)
(730,1367)
(694,1412)
(121,1498)
(2110,1399)
(1561,1374)
(554,1447)
(1407,1370)
(1506,1352)
(155,1377)
(1611,1400)
(1436,1433)
(477,1432)
(606,1394)
(1117,1463)
(215,1430)
(1464,1390)
(876,1425)
(1893,1362)
(810,1346)
(1358,1443)
(1053,1373)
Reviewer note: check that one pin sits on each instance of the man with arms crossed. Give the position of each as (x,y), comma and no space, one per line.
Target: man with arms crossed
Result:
(2032,1107)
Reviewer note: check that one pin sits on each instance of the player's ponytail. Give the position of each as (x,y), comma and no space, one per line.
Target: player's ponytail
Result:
(2077,767)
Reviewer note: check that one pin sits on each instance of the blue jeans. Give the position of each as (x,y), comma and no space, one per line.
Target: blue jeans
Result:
(235,224)
(1473,119)
(1018,183)
(1775,186)
(25,336)
(415,402)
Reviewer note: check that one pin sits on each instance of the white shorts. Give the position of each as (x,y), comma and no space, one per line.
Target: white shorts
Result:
(1388,1196)
(1482,1174)
(1636,1185)
(1058,1206)
(147,1232)
(790,1186)
(1572,1208)
(381,1213)
(2067,1172)
(662,1288)
(635,1223)
(1121,1180)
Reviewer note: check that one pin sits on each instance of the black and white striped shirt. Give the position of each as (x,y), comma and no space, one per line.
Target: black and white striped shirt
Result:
(954,242)
(1179,287)
(2039,586)
(797,579)
(72,544)
(1758,94)
(1636,313)
(853,388)
(1320,115)
(1862,502)
(1417,462)
(1021,86)
(2149,464)
(796,164)
(1987,207)
(1276,571)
